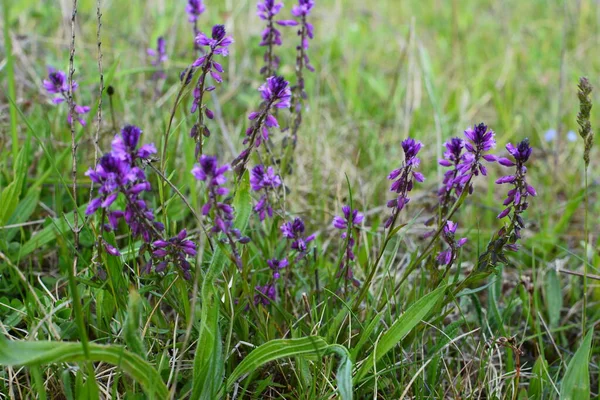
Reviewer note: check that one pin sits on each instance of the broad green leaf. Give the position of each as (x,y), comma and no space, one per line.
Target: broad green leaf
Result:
(402,327)
(312,346)
(26,353)
(576,382)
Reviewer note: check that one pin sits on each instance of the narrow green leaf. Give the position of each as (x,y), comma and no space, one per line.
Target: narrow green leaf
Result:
(402,327)
(576,382)
(14,353)
(311,346)
(49,233)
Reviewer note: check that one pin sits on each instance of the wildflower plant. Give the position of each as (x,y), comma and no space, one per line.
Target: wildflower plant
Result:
(350,223)
(271,36)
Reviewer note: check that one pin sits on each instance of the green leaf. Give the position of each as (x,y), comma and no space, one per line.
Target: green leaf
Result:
(311,346)
(26,353)
(131,329)
(576,382)
(22,213)
(9,197)
(402,327)
(554,299)
(58,226)
(536,383)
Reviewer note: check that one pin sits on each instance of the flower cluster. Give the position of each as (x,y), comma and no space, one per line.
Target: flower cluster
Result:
(217,44)
(120,172)
(276,94)
(447,257)
(294,231)
(403,178)
(516,199)
(349,223)
(301,11)
(159,57)
(174,250)
(57,83)
(209,171)
(265,180)
(267,293)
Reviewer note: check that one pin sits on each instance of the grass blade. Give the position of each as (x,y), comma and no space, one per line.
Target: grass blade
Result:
(576,382)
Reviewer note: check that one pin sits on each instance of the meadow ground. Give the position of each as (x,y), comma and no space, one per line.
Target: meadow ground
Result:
(384,71)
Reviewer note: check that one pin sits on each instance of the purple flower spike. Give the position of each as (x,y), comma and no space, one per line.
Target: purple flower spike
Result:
(351,217)
(58,83)
(265,180)
(159,57)
(276,93)
(271,36)
(403,178)
(516,199)
(209,171)
(217,44)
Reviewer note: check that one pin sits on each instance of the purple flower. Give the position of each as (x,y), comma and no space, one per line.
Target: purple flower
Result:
(57,83)
(125,145)
(480,141)
(265,180)
(265,295)
(447,257)
(403,178)
(218,43)
(175,250)
(351,217)
(276,266)
(303,8)
(295,232)
(194,9)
